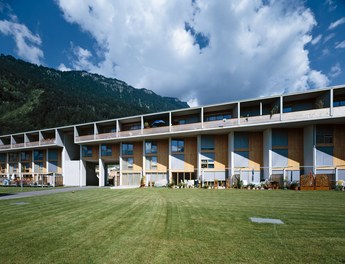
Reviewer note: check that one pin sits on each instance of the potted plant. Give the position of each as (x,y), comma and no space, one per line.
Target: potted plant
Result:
(294,185)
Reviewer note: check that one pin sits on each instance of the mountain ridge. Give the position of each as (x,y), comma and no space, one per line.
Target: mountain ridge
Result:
(36,97)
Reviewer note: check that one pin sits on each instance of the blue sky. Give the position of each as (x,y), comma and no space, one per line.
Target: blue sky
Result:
(200,51)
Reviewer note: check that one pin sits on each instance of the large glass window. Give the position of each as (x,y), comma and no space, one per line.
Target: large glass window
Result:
(106,150)
(52,154)
(151,163)
(24,156)
(280,138)
(150,147)
(12,157)
(324,135)
(2,157)
(128,163)
(207,143)
(87,151)
(177,145)
(26,167)
(127,149)
(38,155)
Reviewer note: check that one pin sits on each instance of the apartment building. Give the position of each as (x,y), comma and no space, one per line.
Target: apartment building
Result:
(277,138)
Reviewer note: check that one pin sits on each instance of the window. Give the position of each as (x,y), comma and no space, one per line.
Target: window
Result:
(241,140)
(13,167)
(207,143)
(182,122)
(217,117)
(12,157)
(177,145)
(324,135)
(280,137)
(151,163)
(87,151)
(24,156)
(38,166)
(150,147)
(128,163)
(207,164)
(127,149)
(106,150)
(52,154)
(38,155)
(26,167)
(2,157)
(339,103)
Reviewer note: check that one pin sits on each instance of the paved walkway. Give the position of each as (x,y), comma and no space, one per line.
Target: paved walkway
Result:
(45,192)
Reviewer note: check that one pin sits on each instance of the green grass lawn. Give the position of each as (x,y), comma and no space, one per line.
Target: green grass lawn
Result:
(174,226)
(17,189)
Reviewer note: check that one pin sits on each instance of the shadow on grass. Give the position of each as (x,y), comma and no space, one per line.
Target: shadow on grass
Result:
(5,194)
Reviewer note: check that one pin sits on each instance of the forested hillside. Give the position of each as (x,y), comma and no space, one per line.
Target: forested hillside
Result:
(35,97)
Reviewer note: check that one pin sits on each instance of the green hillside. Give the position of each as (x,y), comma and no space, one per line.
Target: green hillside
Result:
(35,97)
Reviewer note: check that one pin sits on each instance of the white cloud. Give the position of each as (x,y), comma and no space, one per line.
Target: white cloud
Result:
(328,37)
(335,71)
(63,67)
(337,23)
(255,47)
(27,43)
(316,40)
(340,45)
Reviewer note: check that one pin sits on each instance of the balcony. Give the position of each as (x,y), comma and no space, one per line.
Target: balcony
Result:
(220,123)
(48,141)
(32,144)
(84,138)
(18,145)
(186,127)
(106,135)
(306,115)
(5,146)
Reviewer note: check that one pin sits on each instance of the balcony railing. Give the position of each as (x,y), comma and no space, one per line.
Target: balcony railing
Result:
(186,127)
(261,119)
(5,146)
(220,123)
(18,145)
(84,138)
(48,141)
(106,135)
(32,144)
(307,114)
(156,130)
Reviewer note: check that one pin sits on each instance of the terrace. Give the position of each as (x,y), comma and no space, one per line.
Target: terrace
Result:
(48,137)
(289,108)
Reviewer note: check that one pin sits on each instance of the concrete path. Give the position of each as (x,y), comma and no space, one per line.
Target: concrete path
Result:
(45,192)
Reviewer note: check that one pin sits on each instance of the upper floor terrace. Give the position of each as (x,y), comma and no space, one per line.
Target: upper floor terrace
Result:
(297,107)
(47,137)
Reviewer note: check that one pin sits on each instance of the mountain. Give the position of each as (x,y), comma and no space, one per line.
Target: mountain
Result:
(36,97)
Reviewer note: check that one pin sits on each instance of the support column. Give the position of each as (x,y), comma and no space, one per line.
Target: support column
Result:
(267,149)
(231,163)
(121,163)
(144,160)
(101,167)
(169,163)
(198,156)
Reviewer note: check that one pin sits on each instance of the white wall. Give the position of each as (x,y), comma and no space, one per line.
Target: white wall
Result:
(71,173)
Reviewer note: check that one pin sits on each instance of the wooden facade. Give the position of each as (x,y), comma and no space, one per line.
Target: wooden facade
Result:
(255,150)
(295,148)
(190,154)
(339,145)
